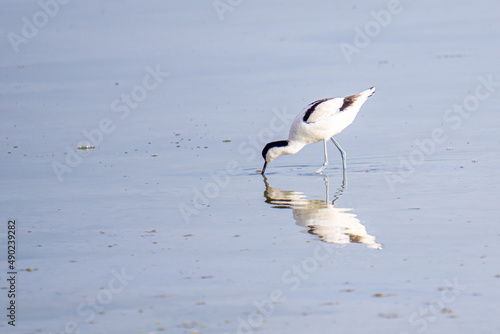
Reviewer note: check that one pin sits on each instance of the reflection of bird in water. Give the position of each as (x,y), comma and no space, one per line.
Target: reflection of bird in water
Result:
(331,224)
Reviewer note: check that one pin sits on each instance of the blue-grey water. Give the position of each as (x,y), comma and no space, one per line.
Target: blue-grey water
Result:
(165,225)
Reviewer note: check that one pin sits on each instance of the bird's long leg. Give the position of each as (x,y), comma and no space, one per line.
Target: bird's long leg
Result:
(343,155)
(326,160)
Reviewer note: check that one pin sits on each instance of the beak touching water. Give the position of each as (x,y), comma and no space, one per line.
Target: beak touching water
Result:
(264,168)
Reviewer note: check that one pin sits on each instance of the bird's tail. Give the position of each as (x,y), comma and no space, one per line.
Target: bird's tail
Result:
(369,91)
(356,101)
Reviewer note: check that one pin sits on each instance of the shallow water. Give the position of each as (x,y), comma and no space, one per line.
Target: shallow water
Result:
(167,225)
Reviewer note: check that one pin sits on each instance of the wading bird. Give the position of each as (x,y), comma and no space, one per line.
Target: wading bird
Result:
(320,120)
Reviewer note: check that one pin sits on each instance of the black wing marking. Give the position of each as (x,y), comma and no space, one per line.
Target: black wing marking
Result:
(348,101)
(313,107)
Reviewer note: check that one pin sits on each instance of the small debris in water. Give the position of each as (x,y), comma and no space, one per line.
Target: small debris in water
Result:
(87,147)
(154,155)
(384,294)
(388,315)
(226,141)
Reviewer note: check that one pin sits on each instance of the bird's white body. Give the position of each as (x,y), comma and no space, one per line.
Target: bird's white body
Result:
(321,120)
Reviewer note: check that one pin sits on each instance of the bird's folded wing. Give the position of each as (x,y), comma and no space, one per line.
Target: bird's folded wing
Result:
(322,109)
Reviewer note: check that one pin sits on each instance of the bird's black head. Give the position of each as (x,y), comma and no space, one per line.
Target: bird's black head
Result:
(267,148)
(279,143)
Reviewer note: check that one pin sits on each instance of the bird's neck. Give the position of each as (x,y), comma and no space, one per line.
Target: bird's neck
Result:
(293,147)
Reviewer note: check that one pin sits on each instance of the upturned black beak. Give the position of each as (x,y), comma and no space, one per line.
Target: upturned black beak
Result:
(264,168)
